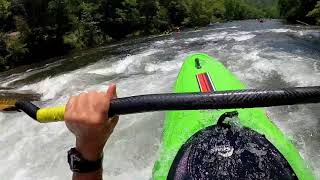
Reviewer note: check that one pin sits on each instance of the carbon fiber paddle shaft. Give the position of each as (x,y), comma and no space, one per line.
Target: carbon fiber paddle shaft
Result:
(216,100)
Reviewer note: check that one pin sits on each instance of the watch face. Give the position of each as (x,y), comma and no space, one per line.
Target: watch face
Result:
(78,164)
(74,161)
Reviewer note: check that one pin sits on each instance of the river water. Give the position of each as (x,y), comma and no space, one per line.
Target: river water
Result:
(269,54)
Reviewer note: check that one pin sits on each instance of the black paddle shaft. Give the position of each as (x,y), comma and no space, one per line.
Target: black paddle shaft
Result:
(215,100)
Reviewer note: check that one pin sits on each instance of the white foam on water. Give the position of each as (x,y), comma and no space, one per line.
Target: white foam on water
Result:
(232,27)
(132,175)
(240,36)
(215,36)
(297,132)
(163,66)
(219,36)
(237,36)
(212,29)
(164,42)
(134,144)
(310,33)
(190,40)
(130,152)
(29,144)
(37,151)
(16,77)
(296,70)
(296,74)
(280,30)
(128,65)
(250,66)
(50,86)
(244,37)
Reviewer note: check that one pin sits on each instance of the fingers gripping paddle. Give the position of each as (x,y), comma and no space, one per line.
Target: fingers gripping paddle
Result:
(185,101)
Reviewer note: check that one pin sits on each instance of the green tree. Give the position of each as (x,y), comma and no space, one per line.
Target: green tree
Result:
(315,13)
(58,15)
(16,50)
(34,30)
(121,17)
(5,13)
(178,11)
(149,10)
(200,13)
(22,27)
(4,10)
(162,20)
(294,10)
(86,31)
(218,10)
(230,7)
(238,10)
(3,51)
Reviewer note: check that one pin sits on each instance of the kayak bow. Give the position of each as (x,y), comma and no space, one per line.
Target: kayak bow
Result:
(202,73)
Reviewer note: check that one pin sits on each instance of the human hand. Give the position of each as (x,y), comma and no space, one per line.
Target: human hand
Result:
(86,116)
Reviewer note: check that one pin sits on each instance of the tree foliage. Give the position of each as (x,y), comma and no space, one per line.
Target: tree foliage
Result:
(32,30)
(4,9)
(5,14)
(315,13)
(294,10)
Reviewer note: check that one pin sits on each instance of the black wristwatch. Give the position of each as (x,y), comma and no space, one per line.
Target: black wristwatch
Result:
(80,165)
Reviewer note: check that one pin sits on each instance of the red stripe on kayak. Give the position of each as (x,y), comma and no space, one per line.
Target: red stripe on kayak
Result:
(205,82)
(202,85)
(201,82)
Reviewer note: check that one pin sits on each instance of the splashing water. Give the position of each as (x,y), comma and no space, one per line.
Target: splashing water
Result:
(262,55)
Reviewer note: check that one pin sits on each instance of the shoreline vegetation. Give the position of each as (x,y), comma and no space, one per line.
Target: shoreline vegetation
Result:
(35,30)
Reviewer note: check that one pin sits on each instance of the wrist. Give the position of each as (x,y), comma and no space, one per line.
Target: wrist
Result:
(78,164)
(90,151)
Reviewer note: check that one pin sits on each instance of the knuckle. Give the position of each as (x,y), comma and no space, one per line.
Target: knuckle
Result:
(92,92)
(92,96)
(82,95)
(70,101)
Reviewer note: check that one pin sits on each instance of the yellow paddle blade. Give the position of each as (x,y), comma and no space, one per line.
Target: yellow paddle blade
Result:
(7,104)
(8,98)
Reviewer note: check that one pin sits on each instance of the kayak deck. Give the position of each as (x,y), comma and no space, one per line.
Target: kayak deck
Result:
(179,126)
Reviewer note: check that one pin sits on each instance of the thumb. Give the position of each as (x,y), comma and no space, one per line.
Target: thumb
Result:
(112,91)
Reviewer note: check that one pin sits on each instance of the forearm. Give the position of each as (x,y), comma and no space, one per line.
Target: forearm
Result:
(97,175)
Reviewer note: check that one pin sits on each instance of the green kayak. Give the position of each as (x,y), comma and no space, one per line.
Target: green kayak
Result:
(202,73)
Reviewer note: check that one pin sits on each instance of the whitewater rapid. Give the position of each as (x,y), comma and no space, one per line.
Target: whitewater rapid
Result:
(261,55)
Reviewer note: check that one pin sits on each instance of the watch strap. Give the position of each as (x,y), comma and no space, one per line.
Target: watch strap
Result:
(80,165)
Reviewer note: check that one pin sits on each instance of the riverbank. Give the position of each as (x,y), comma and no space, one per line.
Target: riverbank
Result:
(34,31)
